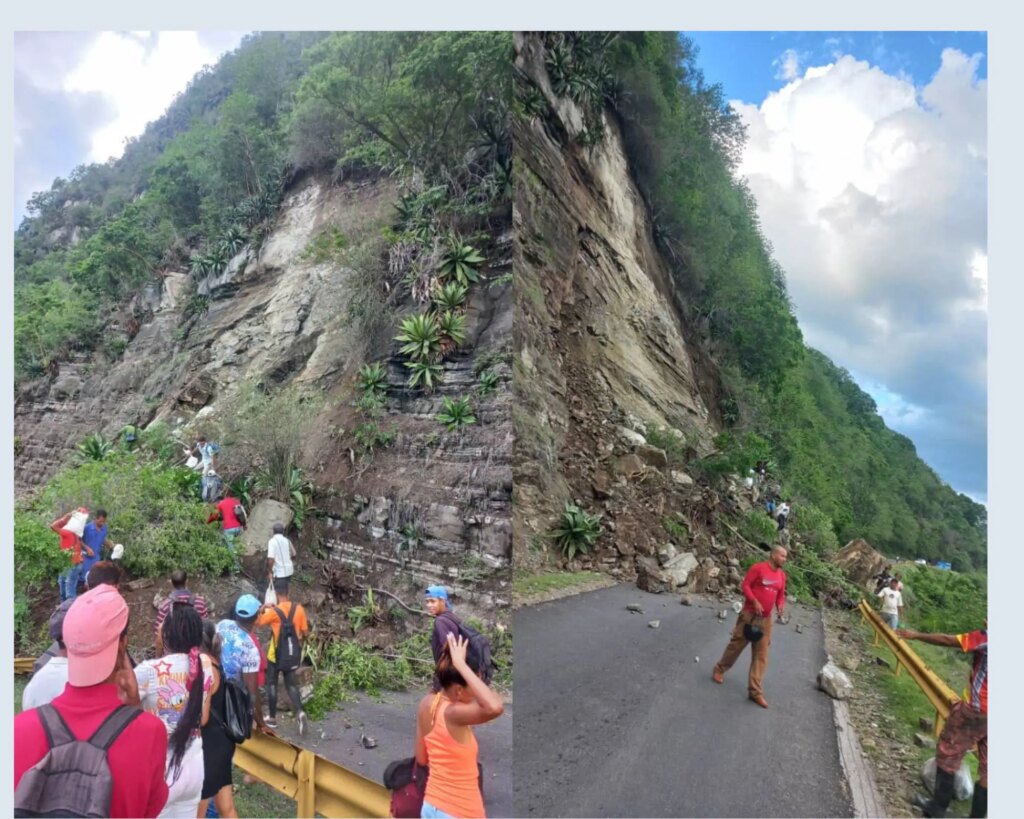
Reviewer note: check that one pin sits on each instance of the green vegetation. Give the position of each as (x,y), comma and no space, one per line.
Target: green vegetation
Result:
(528,585)
(488,383)
(450,296)
(576,531)
(369,613)
(942,601)
(373,379)
(460,262)
(822,432)
(456,413)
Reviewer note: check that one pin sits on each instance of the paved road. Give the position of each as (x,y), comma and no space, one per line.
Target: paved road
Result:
(616,718)
(391,720)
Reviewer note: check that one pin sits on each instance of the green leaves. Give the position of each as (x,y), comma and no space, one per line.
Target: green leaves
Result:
(460,261)
(450,296)
(421,337)
(95,448)
(576,531)
(424,374)
(373,378)
(456,413)
(452,327)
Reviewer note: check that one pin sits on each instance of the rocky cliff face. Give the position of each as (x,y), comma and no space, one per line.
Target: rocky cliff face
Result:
(605,360)
(280,317)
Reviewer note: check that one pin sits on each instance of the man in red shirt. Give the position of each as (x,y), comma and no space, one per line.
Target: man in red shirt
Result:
(67,582)
(966,725)
(231,526)
(763,587)
(99,680)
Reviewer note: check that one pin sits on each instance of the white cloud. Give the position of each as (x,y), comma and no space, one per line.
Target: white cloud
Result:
(788,65)
(873,194)
(139,74)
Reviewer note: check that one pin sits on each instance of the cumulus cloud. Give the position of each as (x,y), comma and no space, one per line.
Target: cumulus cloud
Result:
(873,194)
(79,95)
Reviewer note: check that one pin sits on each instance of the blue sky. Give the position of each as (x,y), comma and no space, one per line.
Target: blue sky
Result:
(747,63)
(867,155)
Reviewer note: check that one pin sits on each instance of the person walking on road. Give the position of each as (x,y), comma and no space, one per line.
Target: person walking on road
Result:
(764,587)
(966,725)
(444,736)
(892,603)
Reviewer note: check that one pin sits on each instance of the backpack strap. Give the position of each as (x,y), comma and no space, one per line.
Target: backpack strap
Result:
(57,731)
(113,725)
(434,706)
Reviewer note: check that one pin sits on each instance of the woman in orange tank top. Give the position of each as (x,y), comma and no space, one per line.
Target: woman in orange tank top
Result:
(444,738)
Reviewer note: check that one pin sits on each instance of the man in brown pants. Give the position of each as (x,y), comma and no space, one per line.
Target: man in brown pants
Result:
(764,587)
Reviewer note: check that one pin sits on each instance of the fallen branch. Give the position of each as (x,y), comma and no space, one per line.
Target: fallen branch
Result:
(393,597)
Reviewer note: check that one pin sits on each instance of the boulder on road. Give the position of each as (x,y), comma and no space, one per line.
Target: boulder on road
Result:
(834,682)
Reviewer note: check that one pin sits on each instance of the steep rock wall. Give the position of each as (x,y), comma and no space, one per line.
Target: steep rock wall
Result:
(603,350)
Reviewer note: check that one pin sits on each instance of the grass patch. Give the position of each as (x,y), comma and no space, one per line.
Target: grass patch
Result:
(528,585)
(260,799)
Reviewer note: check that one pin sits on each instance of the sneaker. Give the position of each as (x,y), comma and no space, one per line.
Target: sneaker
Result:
(302,723)
(270,722)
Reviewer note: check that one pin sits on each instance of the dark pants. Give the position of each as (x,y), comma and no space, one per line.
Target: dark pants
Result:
(289,682)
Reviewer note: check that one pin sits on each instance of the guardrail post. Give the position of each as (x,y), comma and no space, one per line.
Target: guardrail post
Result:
(306,795)
(898,664)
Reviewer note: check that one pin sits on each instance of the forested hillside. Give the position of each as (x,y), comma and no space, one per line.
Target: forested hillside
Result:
(849,475)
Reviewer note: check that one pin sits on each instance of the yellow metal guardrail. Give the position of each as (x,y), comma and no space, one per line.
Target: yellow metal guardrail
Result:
(318,785)
(940,695)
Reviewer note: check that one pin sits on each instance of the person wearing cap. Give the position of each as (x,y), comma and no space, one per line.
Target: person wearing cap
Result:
(239,656)
(445,623)
(211,485)
(51,677)
(100,680)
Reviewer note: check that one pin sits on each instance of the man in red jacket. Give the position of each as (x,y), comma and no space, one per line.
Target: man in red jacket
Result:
(231,525)
(100,679)
(764,587)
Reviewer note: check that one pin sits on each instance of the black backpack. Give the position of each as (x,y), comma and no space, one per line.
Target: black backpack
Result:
(289,649)
(238,710)
(73,778)
(479,647)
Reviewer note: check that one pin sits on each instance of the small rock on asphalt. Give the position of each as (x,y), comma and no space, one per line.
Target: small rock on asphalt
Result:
(634,607)
(686,600)
(799,629)
(368,741)
(722,615)
(654,624)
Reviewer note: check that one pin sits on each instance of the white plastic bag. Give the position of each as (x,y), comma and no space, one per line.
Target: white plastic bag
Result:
(192,462)
(118,551)
(270,598)
(77,522)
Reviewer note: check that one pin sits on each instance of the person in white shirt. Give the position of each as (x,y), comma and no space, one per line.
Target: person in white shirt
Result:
(49,681)
(892,604)
(782,514)
(280,552)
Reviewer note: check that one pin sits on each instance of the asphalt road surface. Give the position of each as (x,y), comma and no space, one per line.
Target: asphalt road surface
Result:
(617,719)
(391,721)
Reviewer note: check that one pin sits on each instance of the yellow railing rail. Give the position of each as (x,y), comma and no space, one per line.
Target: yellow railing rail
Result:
(317,785)
(940,695)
